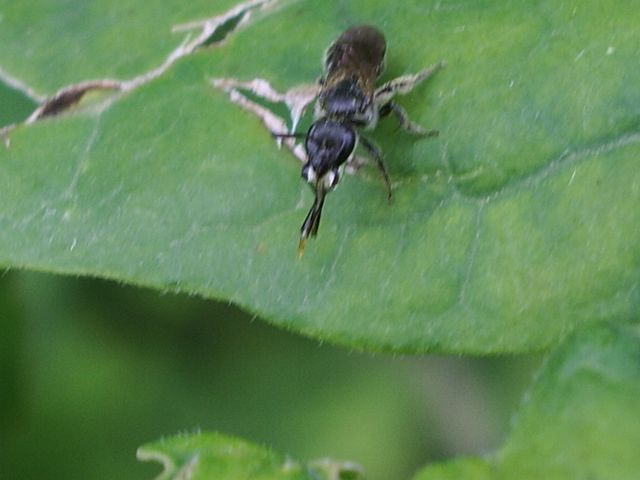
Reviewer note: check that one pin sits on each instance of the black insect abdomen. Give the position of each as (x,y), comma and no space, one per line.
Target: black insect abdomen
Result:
(360,48)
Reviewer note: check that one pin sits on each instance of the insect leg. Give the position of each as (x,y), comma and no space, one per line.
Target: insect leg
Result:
(405,122)
(404,84)
(377,155)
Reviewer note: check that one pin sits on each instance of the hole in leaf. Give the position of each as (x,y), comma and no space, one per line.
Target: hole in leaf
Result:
(277,108)
(61,102)
(68,97)
(224,29)
(16,106)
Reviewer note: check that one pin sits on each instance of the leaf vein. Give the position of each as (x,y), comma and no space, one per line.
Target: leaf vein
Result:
(567,157)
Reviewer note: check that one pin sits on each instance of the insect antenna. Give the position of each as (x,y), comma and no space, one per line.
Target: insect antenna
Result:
(288,135)
(312,222)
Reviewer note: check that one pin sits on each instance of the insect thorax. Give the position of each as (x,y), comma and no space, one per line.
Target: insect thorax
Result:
(346,102)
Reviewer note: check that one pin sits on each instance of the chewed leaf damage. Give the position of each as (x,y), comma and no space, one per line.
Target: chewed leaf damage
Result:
(213,31)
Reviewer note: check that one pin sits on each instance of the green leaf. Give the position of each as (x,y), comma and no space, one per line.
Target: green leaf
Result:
(516,225)
(212,455)
(580,420)
(52,43)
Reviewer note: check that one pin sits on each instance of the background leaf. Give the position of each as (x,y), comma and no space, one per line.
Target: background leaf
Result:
(209,455)
(518,223)
(579,420)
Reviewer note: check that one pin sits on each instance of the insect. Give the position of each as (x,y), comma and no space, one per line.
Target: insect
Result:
(348,101)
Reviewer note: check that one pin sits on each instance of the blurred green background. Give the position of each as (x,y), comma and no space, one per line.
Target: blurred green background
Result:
(90,370)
